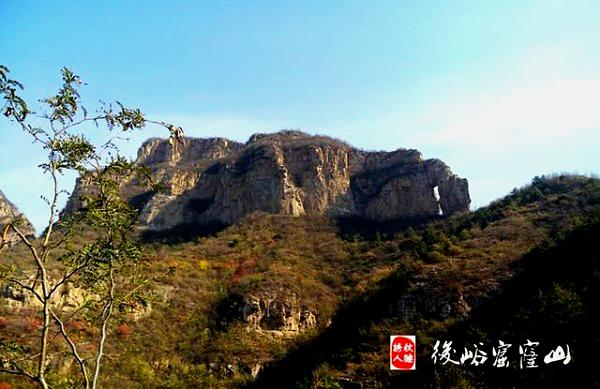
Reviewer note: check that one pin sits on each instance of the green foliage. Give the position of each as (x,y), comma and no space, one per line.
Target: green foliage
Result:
(14,105)
(125,118)
(561,304)
(433,245)
(65,103)
(71,152)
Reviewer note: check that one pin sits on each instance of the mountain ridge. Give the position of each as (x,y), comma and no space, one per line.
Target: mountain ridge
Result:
(218,181)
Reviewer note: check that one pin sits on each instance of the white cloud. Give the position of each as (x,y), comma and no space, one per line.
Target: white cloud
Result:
(499,120)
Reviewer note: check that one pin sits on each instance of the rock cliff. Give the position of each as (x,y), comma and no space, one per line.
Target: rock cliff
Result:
(217,181)
(270,312)
(9,212)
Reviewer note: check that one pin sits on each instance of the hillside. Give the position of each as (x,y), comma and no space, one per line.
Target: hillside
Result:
(284,301)
(277,300)
(524,267)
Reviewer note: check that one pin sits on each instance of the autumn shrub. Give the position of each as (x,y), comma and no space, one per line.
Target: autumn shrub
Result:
(77,325)
(434,257)
(124,330)
(246,267)
(33,324)
(140,370)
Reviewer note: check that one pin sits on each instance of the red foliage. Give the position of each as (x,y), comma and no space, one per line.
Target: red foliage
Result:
(77,325)
(124,330)
(5,385)
(246,267)
(34,323)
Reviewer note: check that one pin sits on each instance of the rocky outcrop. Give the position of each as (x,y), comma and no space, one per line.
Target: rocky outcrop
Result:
(70,298)
(277,314)
(216,181)
(67,298)
(8,213)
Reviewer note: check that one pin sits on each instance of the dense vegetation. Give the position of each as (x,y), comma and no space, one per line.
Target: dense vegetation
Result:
(524,267)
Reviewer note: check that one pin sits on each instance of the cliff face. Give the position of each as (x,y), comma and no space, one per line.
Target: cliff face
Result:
(9,212)
(219,181)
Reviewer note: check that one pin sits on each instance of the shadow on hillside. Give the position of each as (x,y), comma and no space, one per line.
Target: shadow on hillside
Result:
(553,300)
(182,233)
(367,229)
(344,330)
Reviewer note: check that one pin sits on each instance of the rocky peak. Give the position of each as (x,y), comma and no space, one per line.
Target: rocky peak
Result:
(158,151)
(218,181)
(8,212)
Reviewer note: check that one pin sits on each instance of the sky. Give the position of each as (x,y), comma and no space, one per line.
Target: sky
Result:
(501,91)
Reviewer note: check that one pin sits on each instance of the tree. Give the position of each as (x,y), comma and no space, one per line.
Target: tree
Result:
(104,265)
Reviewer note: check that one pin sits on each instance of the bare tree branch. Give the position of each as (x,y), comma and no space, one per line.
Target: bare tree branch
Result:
(26,287)
(108,309)
(73,347)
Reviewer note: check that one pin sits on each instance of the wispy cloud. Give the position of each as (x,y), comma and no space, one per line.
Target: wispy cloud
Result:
(518,116)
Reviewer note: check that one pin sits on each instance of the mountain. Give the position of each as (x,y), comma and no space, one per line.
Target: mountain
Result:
(217,181)
(8,212)
(277,300)
(282,301)
(293,294)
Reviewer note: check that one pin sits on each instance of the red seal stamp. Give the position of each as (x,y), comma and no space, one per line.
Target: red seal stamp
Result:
(403,352)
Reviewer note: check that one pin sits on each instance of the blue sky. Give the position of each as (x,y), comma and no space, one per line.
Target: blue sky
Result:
(500,90)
